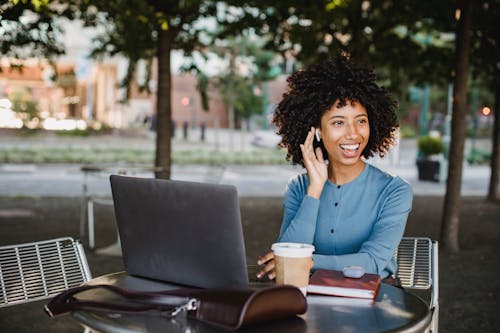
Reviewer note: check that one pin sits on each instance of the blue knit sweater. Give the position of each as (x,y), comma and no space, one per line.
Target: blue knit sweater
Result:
(358,223)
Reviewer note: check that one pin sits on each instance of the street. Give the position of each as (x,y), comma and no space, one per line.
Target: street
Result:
(250,180)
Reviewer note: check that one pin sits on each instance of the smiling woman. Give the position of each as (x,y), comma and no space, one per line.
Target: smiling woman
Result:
(331,119)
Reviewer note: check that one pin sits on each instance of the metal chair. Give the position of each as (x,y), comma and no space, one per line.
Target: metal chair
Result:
(418,270)
(99,175)
(88,200)
(39,270)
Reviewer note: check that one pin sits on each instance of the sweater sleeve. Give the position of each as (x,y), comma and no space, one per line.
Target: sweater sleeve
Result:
(299,214)
(376,253)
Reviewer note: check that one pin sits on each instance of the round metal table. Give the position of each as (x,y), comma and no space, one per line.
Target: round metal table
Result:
(394,310)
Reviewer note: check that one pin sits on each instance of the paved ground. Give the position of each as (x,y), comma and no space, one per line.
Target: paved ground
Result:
(469,284)
(269,180)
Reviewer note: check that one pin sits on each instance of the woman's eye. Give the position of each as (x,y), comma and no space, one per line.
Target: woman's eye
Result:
(338,123)
(363,121)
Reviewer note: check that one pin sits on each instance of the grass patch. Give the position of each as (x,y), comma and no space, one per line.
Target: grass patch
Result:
(99,155)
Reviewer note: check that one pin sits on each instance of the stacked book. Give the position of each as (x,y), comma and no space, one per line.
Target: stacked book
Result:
(332,282)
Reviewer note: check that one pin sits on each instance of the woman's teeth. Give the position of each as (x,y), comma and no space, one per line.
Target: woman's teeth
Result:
(350,147)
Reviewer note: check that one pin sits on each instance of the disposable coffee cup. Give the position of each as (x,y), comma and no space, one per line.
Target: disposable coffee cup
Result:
(293,263)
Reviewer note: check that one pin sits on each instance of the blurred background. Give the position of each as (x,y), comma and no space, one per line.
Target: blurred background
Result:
(187,90)
(90,67)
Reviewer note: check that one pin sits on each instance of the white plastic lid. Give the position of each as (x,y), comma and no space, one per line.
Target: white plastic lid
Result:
(292,250)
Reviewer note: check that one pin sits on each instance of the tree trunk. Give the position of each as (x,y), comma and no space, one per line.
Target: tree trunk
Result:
(163,106)
(493,191)
(452,204)
(356,45)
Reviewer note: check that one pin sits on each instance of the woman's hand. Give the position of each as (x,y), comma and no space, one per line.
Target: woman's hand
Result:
(317,170)
(268,260)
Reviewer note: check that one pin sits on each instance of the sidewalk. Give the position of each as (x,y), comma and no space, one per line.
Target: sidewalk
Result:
(250,180)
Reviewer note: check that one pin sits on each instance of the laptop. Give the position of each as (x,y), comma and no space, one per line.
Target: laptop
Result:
(180,232)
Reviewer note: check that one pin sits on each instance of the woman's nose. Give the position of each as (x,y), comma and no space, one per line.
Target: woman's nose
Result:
(351,131)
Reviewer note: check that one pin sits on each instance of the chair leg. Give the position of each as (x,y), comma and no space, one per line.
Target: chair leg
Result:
(435,319)
(435,287)
(90,223)
(82,219)
(83,206)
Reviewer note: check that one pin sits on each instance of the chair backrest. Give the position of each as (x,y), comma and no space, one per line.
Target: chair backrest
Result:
(418,269)
(34,271)
(414,258)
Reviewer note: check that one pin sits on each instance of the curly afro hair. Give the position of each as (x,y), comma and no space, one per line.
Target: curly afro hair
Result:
(313,91)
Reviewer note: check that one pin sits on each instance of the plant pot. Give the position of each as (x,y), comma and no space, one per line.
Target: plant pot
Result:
(428,170)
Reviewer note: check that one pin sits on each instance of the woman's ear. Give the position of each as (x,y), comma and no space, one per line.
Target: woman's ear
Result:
(316,133)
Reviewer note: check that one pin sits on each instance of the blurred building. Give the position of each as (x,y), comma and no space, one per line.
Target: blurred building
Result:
(85,89)
(59,94)
(89,90)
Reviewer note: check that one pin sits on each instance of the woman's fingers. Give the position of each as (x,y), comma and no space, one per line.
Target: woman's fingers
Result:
(307,147)
(315,165)
(313,158)
(265,258)
(268,260)
(319,155)
(309,138)
(267,269)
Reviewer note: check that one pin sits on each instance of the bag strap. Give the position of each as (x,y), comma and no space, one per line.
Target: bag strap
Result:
(168,302)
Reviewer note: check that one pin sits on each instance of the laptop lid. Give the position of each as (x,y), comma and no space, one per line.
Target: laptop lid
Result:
(181,232)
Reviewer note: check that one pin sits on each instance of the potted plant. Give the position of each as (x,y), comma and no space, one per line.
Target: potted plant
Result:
(430,147)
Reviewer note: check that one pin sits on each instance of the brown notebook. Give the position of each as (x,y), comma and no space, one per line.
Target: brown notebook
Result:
(331,282)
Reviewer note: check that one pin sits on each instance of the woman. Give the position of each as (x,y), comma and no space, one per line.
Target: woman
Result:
(332,118)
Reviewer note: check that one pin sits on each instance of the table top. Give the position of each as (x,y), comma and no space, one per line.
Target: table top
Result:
(394,310)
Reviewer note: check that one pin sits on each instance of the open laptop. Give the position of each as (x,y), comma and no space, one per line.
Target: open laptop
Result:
(181,232)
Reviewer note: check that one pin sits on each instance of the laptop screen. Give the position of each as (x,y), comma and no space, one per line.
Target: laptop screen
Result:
(181,232)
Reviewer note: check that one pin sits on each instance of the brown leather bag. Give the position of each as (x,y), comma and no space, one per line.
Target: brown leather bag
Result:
(228,308)
(238,308)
